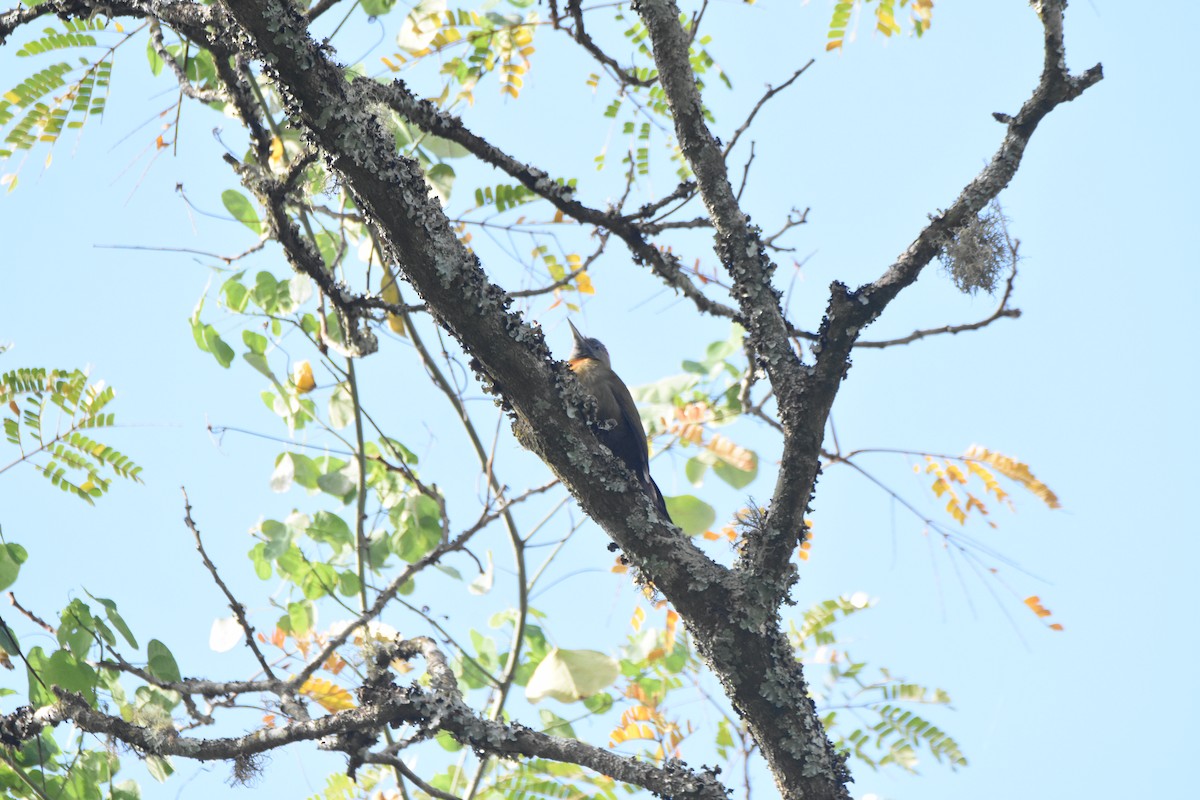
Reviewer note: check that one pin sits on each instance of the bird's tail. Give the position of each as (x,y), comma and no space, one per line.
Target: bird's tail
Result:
(657,495)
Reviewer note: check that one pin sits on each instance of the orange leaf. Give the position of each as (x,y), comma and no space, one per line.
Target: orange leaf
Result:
(302,377)
(639,616)
(1035,605)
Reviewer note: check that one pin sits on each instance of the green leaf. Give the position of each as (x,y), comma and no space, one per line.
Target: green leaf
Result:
(262,565)
(570,675)
(341,406)
(305,470)
(156,63)
(213,343)
(377,8)
(348,584)
(242,209)
(443,148)
(737,478)
(319,580)
(598,703)
(12,556)
(300,617)
(8,639)
(331,529)
(159,767)
(60,669)
(255,341)
(555,725)
(447,742)
(420,530)
(694,470)
(441,177)
(76,628)
(338,484)
(691,514)
(160,663)
(110,611)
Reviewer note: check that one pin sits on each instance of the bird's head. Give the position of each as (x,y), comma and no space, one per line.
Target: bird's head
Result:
(588,348)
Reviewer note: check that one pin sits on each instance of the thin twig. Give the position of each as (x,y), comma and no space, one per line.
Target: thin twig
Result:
(771,92)
(34,618)
(239,611)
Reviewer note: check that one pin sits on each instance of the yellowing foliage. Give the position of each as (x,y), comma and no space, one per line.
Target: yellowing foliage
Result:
(390,292)
(302,377)
(947,474)
(327,694)
(1014,470)
(1035,605)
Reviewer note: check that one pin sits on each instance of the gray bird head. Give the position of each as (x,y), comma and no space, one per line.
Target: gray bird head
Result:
(588,348)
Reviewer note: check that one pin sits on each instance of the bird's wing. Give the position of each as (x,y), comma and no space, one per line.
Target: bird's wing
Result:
(639,457)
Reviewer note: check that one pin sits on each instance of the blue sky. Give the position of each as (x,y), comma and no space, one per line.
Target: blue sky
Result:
(1094,386)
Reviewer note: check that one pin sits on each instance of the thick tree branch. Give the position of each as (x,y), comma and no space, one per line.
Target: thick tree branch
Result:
(433,120)
(737,241)
(434,708)
(849,311)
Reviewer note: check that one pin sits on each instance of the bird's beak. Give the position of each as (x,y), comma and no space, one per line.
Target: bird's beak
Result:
(580,341)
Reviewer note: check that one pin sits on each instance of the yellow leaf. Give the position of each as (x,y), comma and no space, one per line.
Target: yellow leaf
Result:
(1015,470)
(276,151)
(12,97)
(633,731)
(584,284)
(390,292)
(637,714)
(302,377)
(956,511)
(329,695)
(639,616)
(834,45)
(1054,626)
(939,487)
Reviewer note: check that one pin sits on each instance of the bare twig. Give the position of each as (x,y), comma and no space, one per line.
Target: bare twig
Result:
(185,85)
(623,76)
(34,618)
(762,101)
(239,611)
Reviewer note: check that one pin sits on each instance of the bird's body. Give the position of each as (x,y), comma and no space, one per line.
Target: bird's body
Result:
(620,426)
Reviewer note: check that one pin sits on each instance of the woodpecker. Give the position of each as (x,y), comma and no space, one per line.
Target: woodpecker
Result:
(621,428)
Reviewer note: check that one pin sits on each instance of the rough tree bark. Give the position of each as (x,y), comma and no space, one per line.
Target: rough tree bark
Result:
(732,613)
